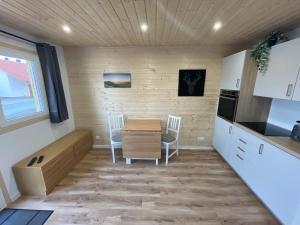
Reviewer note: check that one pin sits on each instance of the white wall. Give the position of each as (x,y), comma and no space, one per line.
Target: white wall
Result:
(284,113)
(17,144)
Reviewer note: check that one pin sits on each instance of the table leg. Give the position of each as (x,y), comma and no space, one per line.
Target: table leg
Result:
(128,161)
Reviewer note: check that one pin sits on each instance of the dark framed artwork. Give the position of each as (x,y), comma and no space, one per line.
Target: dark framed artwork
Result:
(191,82)
(117,80)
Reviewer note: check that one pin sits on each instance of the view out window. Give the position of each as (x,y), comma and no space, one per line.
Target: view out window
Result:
(20,86)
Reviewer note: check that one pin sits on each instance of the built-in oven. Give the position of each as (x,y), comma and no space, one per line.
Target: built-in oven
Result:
(228,101)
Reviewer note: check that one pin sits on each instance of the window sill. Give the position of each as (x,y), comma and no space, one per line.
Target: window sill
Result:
(23,124)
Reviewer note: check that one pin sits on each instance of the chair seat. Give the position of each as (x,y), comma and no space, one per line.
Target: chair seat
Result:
(117,138)
(167,138)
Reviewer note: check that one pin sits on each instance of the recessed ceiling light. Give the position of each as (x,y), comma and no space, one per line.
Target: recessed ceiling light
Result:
(144,27)
(217,26)
(66,29)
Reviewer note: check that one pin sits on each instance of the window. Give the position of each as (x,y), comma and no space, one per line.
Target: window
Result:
(21,86)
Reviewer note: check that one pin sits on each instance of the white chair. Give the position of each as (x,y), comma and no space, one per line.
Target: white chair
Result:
(115,125)
(170,138)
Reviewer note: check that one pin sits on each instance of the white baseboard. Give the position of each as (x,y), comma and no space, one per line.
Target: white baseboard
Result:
(183,147)
(15,196)
(101,146)
(196,148)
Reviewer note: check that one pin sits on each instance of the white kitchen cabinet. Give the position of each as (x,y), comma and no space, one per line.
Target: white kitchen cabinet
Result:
(244,150)
(269,171)
(232,71)
(279,81)
(277,182)
(222,137)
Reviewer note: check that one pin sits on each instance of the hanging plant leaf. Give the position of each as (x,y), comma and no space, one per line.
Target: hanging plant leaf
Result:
(261,53)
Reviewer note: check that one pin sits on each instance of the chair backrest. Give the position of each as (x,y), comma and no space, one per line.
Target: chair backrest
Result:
(115,123)
(173,125)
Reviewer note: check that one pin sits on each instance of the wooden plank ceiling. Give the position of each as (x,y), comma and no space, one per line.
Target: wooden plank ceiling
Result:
(171,22)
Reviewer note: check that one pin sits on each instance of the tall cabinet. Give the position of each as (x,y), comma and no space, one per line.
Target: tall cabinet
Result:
(239,73)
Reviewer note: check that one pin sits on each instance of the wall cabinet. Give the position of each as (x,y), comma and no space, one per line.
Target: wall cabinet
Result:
(296,94)
(280,79)
(269,172)
(232,71)
(222,136)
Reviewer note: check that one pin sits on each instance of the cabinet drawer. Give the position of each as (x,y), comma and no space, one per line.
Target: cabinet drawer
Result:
(237,162)
(245,143)
(245,137)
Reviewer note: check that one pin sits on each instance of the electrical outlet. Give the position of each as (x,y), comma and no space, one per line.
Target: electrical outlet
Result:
(199,139)
(97,137)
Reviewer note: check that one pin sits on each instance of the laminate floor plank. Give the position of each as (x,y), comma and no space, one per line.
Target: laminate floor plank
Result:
(196,188)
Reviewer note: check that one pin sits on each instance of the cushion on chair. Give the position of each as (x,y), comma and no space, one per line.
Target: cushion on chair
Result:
(167,138)
(117,138)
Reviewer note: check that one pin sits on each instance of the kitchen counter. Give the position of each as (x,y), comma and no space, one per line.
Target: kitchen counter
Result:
(285,143)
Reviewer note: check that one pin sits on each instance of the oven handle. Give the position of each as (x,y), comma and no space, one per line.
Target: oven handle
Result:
(231,98)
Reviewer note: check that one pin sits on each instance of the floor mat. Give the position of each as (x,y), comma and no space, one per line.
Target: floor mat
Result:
(24,217)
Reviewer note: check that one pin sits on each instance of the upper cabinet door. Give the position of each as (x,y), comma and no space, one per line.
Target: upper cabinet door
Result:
(280,78)
(296,94)
(232,71)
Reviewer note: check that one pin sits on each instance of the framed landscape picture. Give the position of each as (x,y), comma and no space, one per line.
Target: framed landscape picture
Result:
(117,80)
(191,82)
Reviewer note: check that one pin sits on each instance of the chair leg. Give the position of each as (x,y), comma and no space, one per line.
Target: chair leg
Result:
(167,154)
(177,148)
(113,153)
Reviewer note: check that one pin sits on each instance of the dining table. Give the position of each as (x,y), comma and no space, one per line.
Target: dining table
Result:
(142,139)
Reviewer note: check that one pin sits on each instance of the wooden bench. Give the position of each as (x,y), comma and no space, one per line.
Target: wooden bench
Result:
(59,159)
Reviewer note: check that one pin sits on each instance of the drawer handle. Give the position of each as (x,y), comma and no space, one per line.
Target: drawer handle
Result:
(261,148)
(289,90)
(237,83)
(239,148)
(239,157)
(241,140)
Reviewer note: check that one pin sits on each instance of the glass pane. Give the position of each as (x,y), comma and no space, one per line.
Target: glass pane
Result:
(18,94)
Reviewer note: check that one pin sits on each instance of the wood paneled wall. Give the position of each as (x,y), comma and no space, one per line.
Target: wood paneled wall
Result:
(154,74)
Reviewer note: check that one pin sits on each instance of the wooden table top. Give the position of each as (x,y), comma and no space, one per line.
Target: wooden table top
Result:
(143,125)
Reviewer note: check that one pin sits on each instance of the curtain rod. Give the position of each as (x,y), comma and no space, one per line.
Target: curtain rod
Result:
(16,36)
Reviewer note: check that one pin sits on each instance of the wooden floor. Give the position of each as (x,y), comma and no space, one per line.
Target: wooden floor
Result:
(195,188)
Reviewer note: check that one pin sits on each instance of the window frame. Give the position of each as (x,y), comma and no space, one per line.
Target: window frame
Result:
(12,48)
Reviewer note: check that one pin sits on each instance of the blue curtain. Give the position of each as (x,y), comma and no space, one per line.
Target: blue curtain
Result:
(53,83)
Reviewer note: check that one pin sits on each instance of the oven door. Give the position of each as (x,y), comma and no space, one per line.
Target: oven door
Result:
(227,108)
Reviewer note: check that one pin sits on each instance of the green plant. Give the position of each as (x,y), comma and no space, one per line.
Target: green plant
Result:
(261,53)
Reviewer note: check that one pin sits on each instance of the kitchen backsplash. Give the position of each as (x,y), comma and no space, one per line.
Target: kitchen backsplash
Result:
(284,113)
